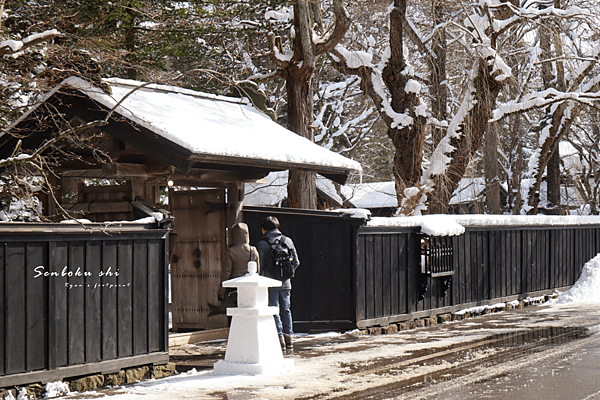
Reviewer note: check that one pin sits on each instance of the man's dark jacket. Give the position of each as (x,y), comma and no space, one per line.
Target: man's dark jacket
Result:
(266,257)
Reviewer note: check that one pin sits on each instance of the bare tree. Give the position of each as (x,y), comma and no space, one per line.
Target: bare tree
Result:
(297,67)
(403,114)
(561,103)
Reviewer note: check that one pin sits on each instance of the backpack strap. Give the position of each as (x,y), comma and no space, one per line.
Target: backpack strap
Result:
(281,239)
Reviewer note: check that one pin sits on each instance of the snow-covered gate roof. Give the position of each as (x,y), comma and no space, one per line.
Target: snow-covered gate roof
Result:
(209,130)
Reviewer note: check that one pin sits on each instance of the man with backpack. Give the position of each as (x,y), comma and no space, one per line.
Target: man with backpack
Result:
(279,260)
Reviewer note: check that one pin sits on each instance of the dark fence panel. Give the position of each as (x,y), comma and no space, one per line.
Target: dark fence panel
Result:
(74,301)
(490,264)
(353,275)
(324,285)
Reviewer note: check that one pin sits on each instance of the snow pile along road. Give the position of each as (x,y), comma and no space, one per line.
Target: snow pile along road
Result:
(587,287)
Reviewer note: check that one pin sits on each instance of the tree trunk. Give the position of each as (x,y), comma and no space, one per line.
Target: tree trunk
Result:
(550,156)
(515,199)
(439,88)
(302,192)
(316,15)
(466,144)
(490,165)
(553,182)
(594,150)
(298,73)
(556,128)
(1,12)
(553,168)
(408,141)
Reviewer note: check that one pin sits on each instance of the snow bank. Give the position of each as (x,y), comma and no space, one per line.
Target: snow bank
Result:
(55,389)
(272,190)
(22,395)
(383,194)
(434,225)
(155,217)
(587,287)
(359,213)
(371,195)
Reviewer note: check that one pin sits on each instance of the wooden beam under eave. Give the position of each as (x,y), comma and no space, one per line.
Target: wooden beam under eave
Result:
(233,163)
(218,177)
(193,178)
(138,170)
(119,171)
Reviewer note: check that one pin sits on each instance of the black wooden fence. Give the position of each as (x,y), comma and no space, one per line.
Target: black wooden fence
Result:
(358,276)
(323,294)
(490,264)
(76,302)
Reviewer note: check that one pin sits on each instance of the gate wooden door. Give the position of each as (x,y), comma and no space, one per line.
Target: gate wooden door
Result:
(197,251)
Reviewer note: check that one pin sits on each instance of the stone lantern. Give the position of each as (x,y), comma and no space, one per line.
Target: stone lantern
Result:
(253,346)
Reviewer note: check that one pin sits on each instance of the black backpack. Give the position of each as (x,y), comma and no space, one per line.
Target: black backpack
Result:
(282,268)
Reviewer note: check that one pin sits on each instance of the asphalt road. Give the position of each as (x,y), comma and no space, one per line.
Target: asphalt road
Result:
(536,353)
(565,367)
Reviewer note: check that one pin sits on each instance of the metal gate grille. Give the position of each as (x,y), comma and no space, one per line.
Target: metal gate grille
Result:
(437,255)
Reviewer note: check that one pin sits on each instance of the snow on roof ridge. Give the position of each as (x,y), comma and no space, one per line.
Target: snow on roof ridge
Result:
(174,89)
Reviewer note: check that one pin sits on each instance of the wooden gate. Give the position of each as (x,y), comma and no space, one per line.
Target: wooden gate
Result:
(197,250)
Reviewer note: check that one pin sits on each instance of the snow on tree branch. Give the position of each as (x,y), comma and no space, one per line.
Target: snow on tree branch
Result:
(440,158)
(542,99)
(360,63)
(14,46)
(342,23)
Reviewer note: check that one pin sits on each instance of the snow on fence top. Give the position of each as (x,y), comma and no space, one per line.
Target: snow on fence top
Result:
(448,225)
(209,124)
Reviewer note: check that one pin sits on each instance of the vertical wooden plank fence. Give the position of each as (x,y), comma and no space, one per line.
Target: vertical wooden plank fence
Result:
(76,302)
(324,285)
(353,275)
(492,264)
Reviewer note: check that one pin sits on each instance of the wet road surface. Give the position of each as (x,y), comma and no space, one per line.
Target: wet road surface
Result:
(529,364)
(539,352)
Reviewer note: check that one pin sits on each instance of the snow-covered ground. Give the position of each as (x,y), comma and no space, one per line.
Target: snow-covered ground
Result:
(327,368)
(587,288)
